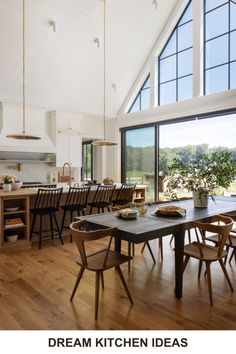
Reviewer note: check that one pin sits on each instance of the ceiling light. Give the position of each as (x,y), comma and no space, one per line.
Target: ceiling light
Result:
(154,2)
(104,142)
(97,42)
(23,135)
(53,24)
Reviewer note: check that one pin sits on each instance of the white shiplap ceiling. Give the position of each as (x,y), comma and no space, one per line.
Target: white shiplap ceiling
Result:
(64,69)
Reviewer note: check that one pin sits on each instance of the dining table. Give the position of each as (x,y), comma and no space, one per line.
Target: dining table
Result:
(148,227)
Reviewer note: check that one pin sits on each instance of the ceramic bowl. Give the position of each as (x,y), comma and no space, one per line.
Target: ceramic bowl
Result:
(16,186)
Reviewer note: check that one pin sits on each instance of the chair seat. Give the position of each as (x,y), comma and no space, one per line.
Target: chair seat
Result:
(44,211)
(74,207)
(95,260)
(215,238)
(99,204)
(209,252)
(120,202)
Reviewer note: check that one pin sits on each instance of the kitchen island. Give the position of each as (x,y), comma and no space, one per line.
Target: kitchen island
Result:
(15,216)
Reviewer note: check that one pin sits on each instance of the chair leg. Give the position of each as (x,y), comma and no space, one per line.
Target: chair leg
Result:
(77,283)
(226,274)
(199,269)
(97,285)
(58,228)
(208,270)
(90,211)
(32,226)
(103,211)
(150,250)
(161,247)
(40,231)
(51,226)
(71,220)
(98,210)
(109,209)
(124,283)
(185,262)
(171,240)
(102,280)
(63,220)
(83,212)
(231,257)
(227,250)
(133,249)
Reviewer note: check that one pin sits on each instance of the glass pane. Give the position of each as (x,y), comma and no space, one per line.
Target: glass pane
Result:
(167,93)
(185,63)
(168,69)
(216,51)
(185,36)
(188,15)
(140,157)
(147,83)
(211,4)
(233,75)
(145,99)
(217,22)
(170,48)
(185,88)
(184,140)
(233,46)
(136,105)
(232,16)
(217,79)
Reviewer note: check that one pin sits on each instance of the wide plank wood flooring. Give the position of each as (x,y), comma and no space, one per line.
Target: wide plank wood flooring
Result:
(35,288)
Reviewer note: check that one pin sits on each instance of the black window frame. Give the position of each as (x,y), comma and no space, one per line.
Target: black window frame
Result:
(85,171)
(139,94)
(227,2)
(177,78)
(157,125)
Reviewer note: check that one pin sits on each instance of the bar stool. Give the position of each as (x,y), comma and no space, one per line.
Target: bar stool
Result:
(102,198)
(76,201)
(46,203)
(125,194)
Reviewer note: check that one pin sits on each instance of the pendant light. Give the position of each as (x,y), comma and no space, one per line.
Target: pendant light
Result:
(23,135)
(104,142)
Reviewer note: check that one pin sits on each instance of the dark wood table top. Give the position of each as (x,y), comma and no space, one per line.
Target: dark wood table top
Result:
(149,226)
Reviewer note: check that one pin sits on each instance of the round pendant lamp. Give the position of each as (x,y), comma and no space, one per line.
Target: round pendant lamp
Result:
(104,141)
(23,135)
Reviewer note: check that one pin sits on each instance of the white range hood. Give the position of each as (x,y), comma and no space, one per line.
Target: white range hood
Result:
(36,124)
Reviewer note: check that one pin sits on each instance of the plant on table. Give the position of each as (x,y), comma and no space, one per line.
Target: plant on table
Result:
(204,174)
(7,179)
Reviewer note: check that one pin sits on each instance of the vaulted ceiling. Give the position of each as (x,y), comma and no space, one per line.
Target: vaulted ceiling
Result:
(64,69)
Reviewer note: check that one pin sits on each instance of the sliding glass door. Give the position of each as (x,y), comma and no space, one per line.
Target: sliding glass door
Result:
(140,158)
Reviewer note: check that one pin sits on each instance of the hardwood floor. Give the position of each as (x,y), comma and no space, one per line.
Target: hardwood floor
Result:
(35,288)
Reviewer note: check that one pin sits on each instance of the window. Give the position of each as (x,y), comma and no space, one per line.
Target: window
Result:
(142,101)
(148,151)
(87,161)
(219,39)
(176,62)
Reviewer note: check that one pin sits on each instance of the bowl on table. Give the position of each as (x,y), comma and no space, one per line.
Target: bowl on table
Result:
(16,186)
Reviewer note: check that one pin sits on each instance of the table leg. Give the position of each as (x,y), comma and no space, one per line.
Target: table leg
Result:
(117,244)
(179,249)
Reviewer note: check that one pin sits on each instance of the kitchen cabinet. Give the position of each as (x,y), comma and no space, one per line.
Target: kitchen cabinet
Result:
(69,148)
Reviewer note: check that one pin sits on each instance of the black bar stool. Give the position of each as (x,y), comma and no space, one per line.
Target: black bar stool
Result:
(46,203)
(102,198)
(125,194)
(76,201)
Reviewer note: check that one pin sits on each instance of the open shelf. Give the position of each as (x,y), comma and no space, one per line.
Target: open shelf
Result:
(14,212)
(14,227)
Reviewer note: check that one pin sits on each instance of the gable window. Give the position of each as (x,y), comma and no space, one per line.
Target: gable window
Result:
(142,100)
(220,52)
(176,62)
(87,161)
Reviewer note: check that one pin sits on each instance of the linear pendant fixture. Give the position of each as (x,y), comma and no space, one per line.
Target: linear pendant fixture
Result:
(23,135)
(104,142)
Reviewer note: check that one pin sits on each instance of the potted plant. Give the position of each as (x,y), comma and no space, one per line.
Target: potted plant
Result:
(108,181)
(202,176)
(7,180)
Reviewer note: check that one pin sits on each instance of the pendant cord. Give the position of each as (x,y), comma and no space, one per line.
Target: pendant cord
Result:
(104,69)
(23,66)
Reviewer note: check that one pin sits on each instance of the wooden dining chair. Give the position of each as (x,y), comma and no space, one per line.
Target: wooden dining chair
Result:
(206,253)
(98,261)
(230,242)
(124,194)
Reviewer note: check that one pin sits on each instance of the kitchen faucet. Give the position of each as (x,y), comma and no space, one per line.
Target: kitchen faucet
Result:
(63,171)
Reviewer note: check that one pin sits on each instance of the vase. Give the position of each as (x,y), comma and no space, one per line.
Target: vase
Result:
(200,202)
(6,187)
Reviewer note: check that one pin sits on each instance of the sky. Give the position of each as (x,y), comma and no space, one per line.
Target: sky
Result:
(218,131)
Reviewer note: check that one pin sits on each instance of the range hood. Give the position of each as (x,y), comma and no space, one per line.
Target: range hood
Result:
(38,125)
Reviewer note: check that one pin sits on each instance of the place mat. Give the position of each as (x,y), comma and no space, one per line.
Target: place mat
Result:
(126,213)
(170,210)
